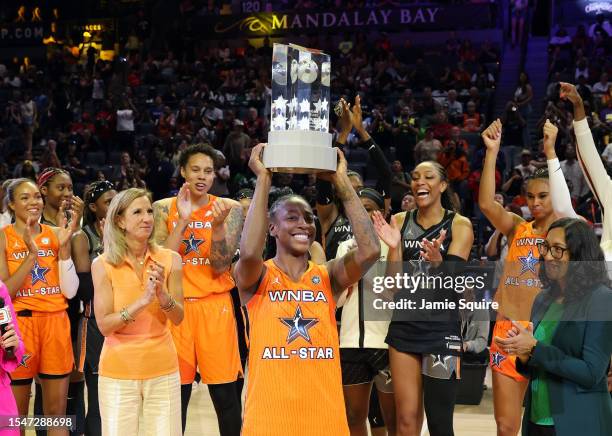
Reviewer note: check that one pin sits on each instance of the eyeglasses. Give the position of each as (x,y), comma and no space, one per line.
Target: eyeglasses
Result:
(555,251)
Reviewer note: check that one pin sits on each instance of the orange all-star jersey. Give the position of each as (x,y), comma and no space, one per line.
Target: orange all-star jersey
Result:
(40,290)
(520,283)
(199,278)
(294,383)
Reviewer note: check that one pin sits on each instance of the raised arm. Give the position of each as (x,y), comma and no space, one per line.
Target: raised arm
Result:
(353,265)
(226,228)
(161,209)
(592,166)
(250,266)
(559,192)
(376,154)
(327,210)
(503,220)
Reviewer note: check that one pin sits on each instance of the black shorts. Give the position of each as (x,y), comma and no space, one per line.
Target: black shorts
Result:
(425,337)
(366,365)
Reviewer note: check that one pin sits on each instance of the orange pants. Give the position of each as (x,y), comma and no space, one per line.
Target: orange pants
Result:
(207,339)
(501,361)
(48,346)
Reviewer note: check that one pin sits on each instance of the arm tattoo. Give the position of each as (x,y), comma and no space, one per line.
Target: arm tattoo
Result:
(222,251)
(363,229)
(160,213)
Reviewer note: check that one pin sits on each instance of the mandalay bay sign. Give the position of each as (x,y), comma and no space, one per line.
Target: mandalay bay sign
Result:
(404,18)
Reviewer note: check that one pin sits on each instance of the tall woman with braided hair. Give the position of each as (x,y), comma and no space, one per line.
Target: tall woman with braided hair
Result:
(36,265)
(57,190)
(424,351)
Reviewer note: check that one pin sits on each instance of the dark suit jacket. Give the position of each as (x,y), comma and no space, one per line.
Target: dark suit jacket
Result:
(577,363)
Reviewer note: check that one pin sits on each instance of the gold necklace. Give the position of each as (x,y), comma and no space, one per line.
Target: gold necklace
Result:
(140,262)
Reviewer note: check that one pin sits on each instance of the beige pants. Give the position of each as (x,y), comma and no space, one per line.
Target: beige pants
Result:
(122,401)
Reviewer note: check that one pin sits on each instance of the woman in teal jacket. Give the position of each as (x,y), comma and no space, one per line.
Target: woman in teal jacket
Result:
(565,351)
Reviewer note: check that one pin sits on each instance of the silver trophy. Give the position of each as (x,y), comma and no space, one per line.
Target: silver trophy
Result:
(299,140)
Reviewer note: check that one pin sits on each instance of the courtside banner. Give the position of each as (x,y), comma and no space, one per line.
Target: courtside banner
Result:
(418,17)
(419,291)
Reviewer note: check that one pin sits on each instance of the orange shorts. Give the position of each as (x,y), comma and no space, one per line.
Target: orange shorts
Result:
(48,347)
(501,362)
(207,340)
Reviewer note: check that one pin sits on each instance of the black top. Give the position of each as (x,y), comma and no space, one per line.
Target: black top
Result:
(424,330)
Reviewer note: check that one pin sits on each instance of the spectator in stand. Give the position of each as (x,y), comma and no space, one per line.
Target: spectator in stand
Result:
(121,170)
(184,125)
(254,125)
(526,168)
(453,43)
(105,125)
(513,186)
(131,179)
(29,119)
(472,120)
(487,53)
(125,125)
(78,171)
(522,99)
(467,52)
(428,148)
(49,157)
(381,128)
(520,9)
(461,77)
(160,172)
(581,40)
(166,124)
(561,39)
(512,136)
(441,126)
(454,107)
(421,75)
(27,160)
(400,185)
(582,69)
(405,132)
(454,160)
(455,136)
(602,86)
(606,113)
(482,79)
(237,146)
(408,202)
(429,106)
(601,25)
(573,173)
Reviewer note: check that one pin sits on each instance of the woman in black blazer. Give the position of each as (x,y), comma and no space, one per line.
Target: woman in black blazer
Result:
(565,351)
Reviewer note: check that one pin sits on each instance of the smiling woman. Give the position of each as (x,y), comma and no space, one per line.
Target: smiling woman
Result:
(138,290)
(565,350)
(36,266)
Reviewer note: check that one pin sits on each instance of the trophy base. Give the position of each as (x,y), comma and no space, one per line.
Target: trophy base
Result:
(299,152)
